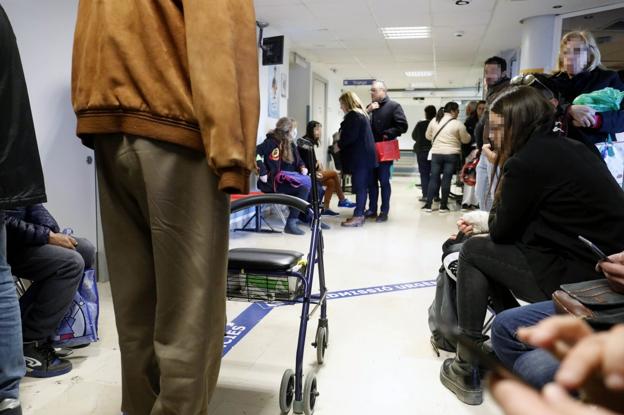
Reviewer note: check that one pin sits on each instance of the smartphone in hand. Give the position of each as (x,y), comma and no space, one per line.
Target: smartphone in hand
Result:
(602,257)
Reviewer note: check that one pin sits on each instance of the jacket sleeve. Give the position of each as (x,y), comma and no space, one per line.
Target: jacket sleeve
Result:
(480,129)
(429,133)
(223,67)
(415,133)
(39,215)
(349,131)
(298,159)
(260,157)
(464,135)
(518,200)
(613,121)
(399,121)
(21,232)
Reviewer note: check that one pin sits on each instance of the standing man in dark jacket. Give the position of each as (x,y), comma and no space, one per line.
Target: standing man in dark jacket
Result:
(388,122)
(21,184)
(495,80)
(421,148)
(168,92)
(55,263)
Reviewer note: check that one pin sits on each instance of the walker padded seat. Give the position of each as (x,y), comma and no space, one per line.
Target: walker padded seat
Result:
(254,259)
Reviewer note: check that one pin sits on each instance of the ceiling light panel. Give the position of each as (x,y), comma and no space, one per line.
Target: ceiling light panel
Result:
(409,32)
(419,74)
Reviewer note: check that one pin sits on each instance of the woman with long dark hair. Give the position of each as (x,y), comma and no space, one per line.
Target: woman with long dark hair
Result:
(281,169)
(552,189)
(447,135)
(328,178)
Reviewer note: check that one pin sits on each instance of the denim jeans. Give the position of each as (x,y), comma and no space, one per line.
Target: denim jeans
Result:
(424,168)
(445,165)
(360,180)
(12,367)
(380,178)
(536,366)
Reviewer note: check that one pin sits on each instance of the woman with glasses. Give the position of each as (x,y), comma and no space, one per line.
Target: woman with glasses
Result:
(580,72)
(551,190)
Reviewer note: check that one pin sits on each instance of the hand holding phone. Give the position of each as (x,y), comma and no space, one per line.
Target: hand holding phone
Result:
(602,257)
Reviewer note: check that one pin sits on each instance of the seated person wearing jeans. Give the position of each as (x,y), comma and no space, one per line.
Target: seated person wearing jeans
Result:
(537,366)
(55,263)
(281,169)
(552,189)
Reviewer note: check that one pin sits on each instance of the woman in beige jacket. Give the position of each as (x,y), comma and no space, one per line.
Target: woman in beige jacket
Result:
(447,135)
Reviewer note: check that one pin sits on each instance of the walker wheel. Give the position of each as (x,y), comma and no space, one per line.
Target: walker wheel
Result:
(287,391)
(321,344)
(310,393)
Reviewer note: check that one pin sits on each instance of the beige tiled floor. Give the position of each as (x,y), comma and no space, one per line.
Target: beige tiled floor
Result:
(379,360)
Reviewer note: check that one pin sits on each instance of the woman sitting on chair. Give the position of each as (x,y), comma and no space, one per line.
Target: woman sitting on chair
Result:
(552,190)
(281,169)
(328,178)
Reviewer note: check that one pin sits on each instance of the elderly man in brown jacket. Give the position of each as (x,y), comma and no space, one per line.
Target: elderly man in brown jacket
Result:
(167,93)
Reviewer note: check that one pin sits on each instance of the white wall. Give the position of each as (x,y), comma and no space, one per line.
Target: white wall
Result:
(44,31)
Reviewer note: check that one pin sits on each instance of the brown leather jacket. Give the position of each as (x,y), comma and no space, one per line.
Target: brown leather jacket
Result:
(181,71)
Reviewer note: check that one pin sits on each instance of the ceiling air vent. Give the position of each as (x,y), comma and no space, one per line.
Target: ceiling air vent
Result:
(617,26)
(604,39)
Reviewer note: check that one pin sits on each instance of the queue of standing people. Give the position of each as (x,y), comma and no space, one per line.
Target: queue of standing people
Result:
(284,167)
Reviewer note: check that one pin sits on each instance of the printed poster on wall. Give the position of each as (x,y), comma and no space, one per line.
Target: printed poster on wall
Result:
(274,92)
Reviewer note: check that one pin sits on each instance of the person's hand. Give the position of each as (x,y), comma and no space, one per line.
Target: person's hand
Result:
(489,154)
(304,171)
(516,398)
(264,178)
(319,175)
(614,271)
(62,240)
(582,115)
(593,363)
(465,227)
(372,106)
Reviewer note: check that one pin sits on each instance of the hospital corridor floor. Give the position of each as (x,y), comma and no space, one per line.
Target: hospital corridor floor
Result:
(379,359)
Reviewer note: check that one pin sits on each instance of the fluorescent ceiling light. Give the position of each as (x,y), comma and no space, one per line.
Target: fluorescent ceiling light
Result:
(418,74)
(415,32)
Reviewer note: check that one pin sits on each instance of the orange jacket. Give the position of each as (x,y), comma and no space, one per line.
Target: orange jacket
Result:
(181,71)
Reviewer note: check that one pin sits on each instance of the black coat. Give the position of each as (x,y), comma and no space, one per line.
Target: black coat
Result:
(553,190)
(421,144)
(388,120)
(269,161)
(357,145)
(21,177)
(584,82)
(29,226)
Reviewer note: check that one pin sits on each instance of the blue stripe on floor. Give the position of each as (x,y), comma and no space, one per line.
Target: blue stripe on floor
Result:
(242,325)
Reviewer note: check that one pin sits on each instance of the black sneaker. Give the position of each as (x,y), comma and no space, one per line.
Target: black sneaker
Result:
(10,407)
(369,214)
(444,209)
(461,379)
(43,362)
(427,207)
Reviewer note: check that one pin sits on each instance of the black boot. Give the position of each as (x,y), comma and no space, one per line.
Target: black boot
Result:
(292,227)
(461,376)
